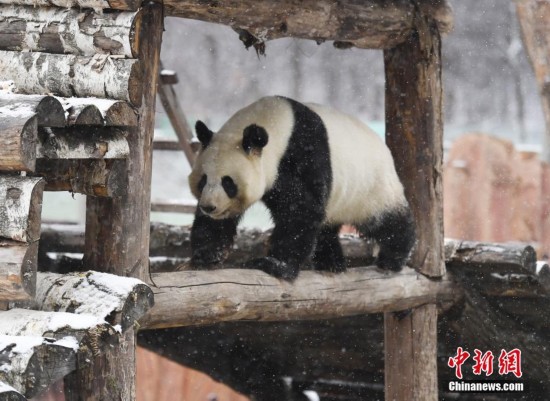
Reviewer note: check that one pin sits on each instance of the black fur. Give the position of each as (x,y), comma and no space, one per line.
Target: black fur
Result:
(328,251)
(254,138)
(203,133)
(211,240)
(395,234)
(298,199)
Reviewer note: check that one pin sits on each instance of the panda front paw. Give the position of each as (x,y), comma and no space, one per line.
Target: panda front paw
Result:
(204,257)
(274,267)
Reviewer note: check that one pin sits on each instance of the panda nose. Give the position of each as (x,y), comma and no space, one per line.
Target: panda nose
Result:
(207,208)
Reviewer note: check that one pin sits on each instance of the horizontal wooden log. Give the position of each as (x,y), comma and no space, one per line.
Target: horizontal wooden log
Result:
(18,136)
(205,297)
(67,31)
(69,76)
(367,24)
(48,109)
(119,300)
(104,177)
(96,5)
(82,143)
(20,207)
(173,207)
(8,393)
(30,356)
(17,270)
(491,258)
(94,111)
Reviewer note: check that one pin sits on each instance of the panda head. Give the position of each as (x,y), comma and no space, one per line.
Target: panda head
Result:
(227,176)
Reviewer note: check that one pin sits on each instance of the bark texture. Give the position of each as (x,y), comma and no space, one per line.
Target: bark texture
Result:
(18,136)
(17,270)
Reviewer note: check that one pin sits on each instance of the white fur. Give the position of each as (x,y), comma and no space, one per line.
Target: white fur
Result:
(364,183)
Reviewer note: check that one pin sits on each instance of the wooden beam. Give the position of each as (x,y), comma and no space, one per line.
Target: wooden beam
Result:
(103,177)
(84,76)
(172,106)
(173,207)
(415,136)
(96,5)
(205,297)
(67,31)
(48,109)
(367,24)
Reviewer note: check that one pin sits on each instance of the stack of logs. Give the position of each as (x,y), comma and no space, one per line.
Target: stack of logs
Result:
(75,115)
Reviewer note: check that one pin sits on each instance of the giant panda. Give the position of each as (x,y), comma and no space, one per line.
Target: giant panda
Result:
(315,169)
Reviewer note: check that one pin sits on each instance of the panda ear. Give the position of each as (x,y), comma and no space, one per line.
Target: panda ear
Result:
(203,133)
(254,139)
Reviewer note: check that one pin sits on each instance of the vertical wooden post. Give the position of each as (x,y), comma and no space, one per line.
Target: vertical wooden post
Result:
(117,230)
(415,136)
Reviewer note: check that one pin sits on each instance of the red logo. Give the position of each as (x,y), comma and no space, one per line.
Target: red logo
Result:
(484,362)
(508,362)
(457,361)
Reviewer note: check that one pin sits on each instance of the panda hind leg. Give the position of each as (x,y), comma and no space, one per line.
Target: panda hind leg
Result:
(395,234)
(328,255)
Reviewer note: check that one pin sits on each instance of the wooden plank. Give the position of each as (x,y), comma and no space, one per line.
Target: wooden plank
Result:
(17,270)
(173,207)
(104,177)
(67,31)
(48,109)
(96,5)
(20,208)
(172,106)
(367,24)
(82,143)
(83,76)
(206,297)
(415,137)
(18,136)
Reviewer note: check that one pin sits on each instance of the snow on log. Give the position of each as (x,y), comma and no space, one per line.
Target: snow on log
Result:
(67,31)
(8,393)
(491,258)
(367,24)
(18,132)
(100,76)
(17,270)
(96,5)
(103,177)
(119,300)
(20,207)
(206,297)
(95,111)
(48,109)
(27,359)
(82,143)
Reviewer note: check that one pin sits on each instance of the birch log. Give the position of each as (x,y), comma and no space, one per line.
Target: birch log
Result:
(205,297)
(94,111)
(119,300)
(20,208)
(18,136)
(106,178)
(96,5)
(33,362)
(68,75)
(8,393)
(48,109)
(17,270)
(67,31)
(367,24)
(82,143)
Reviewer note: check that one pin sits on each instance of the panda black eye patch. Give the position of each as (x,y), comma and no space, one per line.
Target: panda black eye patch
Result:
(202,183)
(229,186)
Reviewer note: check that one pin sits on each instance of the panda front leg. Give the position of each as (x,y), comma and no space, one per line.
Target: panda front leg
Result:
(211,240)
(291,243)
(328,254)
